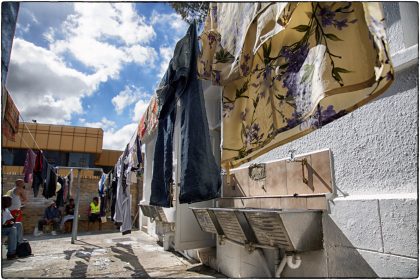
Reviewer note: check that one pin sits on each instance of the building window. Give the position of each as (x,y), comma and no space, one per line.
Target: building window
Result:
(56,158)
(81,160)
(6,156)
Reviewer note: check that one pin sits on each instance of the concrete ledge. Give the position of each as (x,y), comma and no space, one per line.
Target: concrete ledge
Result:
(353,223)
(391,266)
(399,226)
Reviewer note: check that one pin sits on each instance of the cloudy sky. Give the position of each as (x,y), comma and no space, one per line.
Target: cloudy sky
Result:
(91,64)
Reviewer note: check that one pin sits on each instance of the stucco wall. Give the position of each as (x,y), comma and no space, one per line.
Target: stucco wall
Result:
(370,229)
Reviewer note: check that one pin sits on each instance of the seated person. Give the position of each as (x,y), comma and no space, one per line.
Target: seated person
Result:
(94,212)
(10,228)
(52,217)
(69,214)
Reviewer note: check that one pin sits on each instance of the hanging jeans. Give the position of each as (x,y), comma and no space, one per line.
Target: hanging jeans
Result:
(200,176)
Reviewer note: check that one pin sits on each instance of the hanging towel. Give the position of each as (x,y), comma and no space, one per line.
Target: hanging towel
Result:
(290,68)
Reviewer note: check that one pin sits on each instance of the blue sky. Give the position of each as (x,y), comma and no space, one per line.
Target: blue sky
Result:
(91,64)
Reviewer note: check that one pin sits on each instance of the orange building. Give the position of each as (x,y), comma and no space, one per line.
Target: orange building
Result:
(62,145)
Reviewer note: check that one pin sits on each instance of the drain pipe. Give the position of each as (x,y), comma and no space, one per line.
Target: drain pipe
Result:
(289,260)
(291,263)
(281,266)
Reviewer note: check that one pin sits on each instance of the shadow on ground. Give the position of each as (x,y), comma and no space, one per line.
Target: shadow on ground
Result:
(205,270)
(126,254)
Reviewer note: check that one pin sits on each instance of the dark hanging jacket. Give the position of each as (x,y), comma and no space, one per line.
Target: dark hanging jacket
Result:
(200,175)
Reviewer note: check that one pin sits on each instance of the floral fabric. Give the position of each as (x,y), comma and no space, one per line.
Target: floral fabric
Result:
(290,68)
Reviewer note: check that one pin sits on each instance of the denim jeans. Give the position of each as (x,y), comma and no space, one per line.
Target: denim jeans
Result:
(54,221)
(14,236)
(200,175)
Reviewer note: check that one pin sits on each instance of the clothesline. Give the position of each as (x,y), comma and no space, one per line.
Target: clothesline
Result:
(27,145)
(29,131)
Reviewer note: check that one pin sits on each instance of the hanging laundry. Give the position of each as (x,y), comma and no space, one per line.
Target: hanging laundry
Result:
(101,184)
(200,176)
(102,194)
(133,160)
(50,183)
(290,68)
(113,191)
(149,121)
(66,193)
(10,123)
(59,194)
(39,173)
(28,167)
(70,178)
(122,216)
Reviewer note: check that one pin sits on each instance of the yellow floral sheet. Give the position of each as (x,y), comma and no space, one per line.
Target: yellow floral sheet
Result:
(290,68)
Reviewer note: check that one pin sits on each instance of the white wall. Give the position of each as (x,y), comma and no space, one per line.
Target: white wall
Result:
(371,227)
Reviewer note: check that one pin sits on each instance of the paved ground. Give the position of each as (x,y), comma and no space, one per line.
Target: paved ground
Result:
(106,255)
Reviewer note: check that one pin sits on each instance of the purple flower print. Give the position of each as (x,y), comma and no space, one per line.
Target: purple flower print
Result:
(211,38)
(251,133)
(243,114)
(227,108)
(295,59)
(339,24)
(327,16)
(294,120)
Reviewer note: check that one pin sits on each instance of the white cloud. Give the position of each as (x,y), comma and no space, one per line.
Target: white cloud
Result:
(43,87)
(166,54)
(104,123)
(173,20)
(104,36)
(22,29)
(117,140)
(173,28)
(101,36)
(49,35)
(126,97)
(139,109)
(142,55)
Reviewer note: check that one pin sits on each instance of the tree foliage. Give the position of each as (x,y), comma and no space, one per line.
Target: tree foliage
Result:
(190,11)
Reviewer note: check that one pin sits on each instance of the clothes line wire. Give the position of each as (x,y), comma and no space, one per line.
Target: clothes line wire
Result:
(26,144)
(27,128)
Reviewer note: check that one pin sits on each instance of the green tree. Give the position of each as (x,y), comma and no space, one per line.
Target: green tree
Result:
(190,11)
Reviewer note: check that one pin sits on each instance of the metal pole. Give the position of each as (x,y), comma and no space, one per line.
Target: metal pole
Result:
(76,210)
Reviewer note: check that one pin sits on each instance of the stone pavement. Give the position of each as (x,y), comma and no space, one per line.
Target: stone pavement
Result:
(106,255)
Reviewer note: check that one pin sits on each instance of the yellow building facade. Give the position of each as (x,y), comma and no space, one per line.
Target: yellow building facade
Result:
(62,146)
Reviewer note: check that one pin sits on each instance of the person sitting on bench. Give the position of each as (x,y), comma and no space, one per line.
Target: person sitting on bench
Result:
(69,216)
(52,216)
(10,228)
(94,212)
